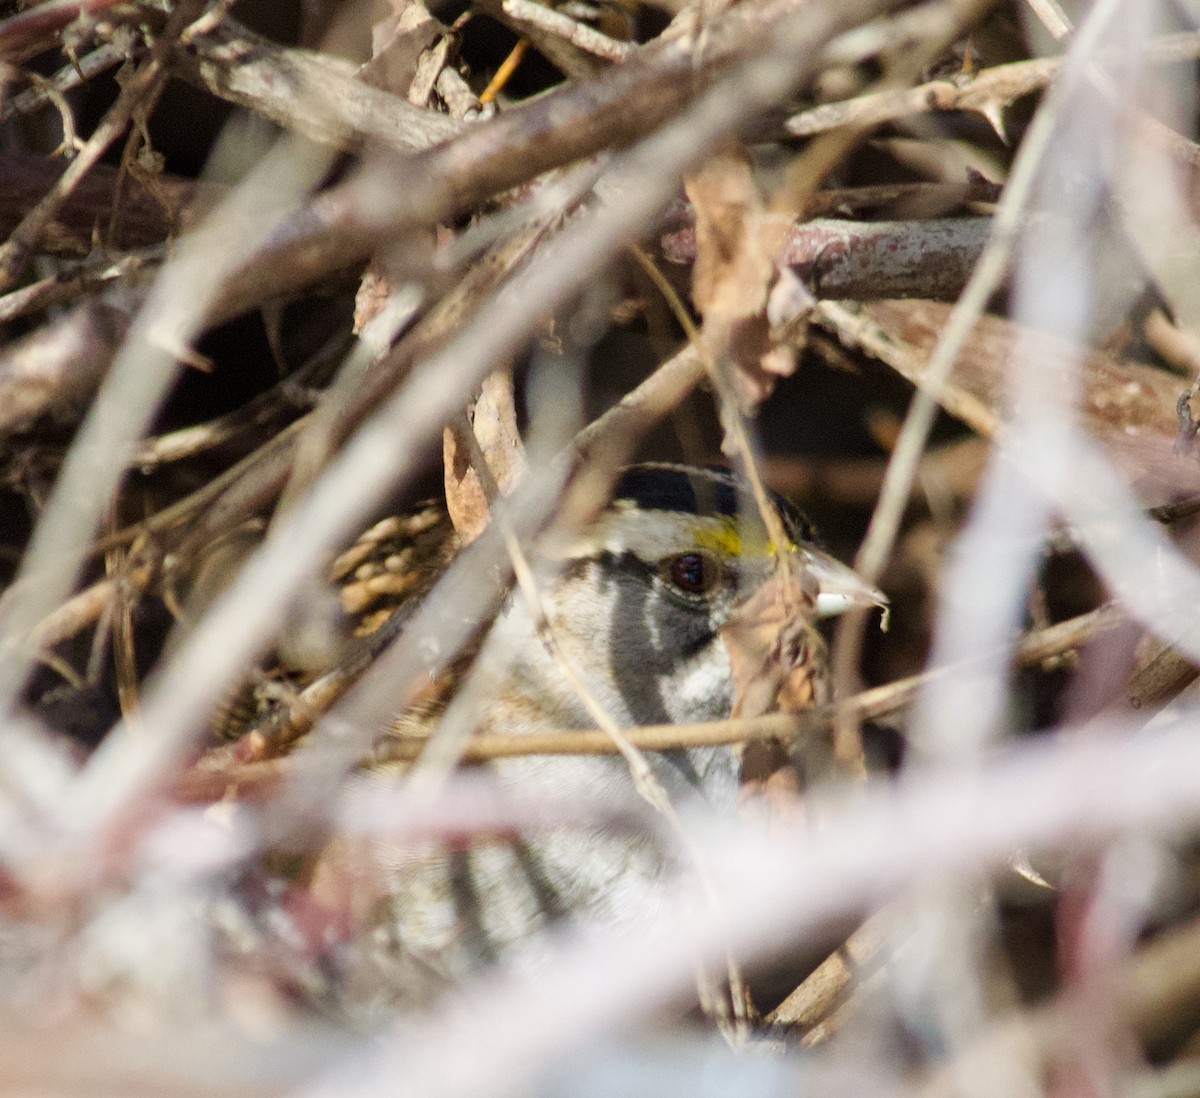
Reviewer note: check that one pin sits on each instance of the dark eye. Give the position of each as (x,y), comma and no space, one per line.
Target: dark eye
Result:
(693,573)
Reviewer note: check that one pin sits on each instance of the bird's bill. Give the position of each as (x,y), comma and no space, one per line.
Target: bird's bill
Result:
(840,588)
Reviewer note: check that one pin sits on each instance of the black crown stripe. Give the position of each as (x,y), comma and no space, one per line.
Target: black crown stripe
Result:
(711,491)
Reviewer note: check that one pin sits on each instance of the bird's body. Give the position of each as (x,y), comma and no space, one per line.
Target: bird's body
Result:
(658,613)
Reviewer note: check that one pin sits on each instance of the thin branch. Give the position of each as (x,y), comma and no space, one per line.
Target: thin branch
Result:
(70,285)
(865,260)
(314,94)
(141,88)
(1051,15)
(860,331)
(935,198)
(880,701)
(578,50)
(69,77)
(983,91)
(986,91)
(22,31)
(54,371)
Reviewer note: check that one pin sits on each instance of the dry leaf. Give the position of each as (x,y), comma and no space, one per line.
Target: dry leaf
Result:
(493,419)
(773,650)
(373,292)
(731,272)
(751,305)
(773,646)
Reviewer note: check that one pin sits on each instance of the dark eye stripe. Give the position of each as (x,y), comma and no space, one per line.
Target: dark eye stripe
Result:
(577,567)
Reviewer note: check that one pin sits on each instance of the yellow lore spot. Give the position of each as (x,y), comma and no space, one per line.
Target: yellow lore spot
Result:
(725,536)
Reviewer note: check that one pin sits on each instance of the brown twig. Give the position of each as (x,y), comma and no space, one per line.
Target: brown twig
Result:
(860,331)
(933,198)
(21,32)
(865,260)
(177,531)
(578,50)
(91,64)
(868,705)
(250,765)
(314,94)
(987,91)
(141,88)
(810,1004)
(69,286)
(54,371)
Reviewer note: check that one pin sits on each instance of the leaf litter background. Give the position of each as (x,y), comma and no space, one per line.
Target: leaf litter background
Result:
(687,231)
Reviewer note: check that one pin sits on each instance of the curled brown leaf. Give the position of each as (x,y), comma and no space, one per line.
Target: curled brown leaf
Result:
(751,305)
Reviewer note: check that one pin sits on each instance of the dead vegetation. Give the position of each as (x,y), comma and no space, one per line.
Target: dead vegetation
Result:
(928,269)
